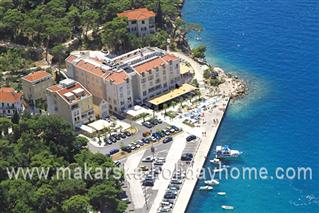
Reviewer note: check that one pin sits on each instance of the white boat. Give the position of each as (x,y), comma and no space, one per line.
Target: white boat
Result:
(228,207)
(205,188)
(215,161)
(226,152)
(212,182)
(221,193)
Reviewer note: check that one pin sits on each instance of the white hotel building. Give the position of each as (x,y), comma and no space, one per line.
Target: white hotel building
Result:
(128,79)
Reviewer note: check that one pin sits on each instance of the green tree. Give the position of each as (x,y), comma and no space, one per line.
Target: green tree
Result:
(199,52)
(76,204)
(115,34)
(59,52)
(89,19)
(13,20)
(15,118)
(103,198)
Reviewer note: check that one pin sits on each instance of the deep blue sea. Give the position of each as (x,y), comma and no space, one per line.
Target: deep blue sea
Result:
(274,46)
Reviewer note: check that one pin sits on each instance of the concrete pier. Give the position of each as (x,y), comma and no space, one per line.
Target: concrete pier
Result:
(211,129)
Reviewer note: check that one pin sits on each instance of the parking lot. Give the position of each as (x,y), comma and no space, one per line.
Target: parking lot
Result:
(161,193)
(128,140)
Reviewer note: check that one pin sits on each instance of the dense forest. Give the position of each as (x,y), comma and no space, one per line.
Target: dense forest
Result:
(50,142)
(47,23)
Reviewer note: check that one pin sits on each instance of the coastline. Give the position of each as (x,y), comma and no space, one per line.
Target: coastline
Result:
(232,88)
(201,156)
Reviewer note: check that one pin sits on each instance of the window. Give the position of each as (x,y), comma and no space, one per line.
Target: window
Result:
(144,93)
(143,22)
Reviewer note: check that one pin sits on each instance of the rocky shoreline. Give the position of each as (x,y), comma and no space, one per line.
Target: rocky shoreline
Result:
(239,86)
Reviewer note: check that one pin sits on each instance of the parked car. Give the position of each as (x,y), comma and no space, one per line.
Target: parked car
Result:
(113,151)
(176,128)
(176,181)
(144,168)
(117,136)
(190,138)
(148,182)
(147,124)
(117,163)
(122,135)
(167,140)
(169,195)
(126,149)
(146,140)
(148,159)
(159,162)
(112,138)
(127,133)
(187,157)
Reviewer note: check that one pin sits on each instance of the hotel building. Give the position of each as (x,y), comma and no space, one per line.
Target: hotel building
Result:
(70,100)
(125,80)
(140,21)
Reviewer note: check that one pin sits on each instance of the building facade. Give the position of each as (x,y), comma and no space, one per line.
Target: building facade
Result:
(35,84)
(10,101)
(140,21)
(70,100)
(125,80)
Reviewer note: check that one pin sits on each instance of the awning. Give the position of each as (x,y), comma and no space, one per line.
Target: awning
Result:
(182,90)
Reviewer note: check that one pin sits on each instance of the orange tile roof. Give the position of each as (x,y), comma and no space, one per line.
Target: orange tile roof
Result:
(9,95)
(137,14)
(61,90)
(70,58)
(117,77)
(36,76)
(169,57)
(86,66)
(154,63)
(149,65)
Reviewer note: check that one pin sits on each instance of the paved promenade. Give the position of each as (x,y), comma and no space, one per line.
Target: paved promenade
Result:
(211,129)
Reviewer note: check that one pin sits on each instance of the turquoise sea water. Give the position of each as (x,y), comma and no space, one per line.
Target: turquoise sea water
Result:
(274,46)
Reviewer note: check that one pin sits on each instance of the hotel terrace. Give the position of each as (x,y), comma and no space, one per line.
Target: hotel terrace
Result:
(128,79)
(70,100)
(140,21)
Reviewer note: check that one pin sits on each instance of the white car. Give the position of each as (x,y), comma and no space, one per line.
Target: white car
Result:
(148,159)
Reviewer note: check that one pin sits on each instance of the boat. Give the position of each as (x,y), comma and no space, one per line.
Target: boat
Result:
(212,182)
(221,193)
(205,188)
(215,161)
(227,207)
(226,152)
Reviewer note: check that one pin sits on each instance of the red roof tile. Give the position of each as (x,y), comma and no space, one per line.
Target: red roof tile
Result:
(137,14)
(86,66)
(36,76)
(169,57)
(117,77)
(154,63)
(70,58)
(149,65)
(9,95)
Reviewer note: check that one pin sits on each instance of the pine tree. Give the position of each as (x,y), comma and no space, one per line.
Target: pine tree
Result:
(159,15)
